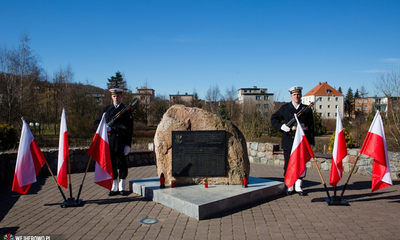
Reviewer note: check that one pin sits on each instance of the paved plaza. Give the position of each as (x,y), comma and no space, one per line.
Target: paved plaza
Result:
(368,215)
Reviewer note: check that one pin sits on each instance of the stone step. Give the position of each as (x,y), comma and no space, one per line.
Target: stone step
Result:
(199,202)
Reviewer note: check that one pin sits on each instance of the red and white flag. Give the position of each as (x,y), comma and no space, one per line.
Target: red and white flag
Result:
(30,160)
(300,155)
(374,146)
(339,152)
(63,153)
(100,151)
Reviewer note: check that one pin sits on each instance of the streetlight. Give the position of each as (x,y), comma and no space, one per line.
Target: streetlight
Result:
(38,126)
(34,125)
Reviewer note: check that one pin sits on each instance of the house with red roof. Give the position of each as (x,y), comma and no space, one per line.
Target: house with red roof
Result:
(329,100)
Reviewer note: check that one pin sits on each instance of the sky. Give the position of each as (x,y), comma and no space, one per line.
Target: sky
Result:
(189,46)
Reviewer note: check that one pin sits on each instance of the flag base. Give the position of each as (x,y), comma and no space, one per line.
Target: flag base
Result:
(336,200)
(71,202)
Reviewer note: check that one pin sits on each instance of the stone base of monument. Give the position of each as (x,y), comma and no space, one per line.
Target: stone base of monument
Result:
(199,202)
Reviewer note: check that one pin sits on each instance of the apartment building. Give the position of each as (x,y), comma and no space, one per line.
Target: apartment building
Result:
(258,97)
(366,105)
(181,98)
(329,100)
(144,94)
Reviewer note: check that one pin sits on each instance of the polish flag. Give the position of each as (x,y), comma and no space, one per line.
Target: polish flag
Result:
(63,153)
(30,160)
(339,152)
(374,146)
(100,151)
(300,155)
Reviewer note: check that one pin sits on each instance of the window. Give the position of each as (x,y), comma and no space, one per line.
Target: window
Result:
(365,108)
(320,106)
(329,106)
(336,99)
(329,99)
(258,98)
(359,100)
(336,106)
(365,100)
(329,114)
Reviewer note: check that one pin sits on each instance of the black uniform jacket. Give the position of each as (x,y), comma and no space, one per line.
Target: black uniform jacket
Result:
(121,130)
(284,115)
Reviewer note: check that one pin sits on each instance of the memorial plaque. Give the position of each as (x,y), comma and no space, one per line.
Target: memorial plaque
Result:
(198,153)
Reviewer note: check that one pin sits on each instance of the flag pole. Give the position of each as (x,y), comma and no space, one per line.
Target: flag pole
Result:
(322,179)
(69,173)
(352,170)
(59,188)
(71,201)
(83,180)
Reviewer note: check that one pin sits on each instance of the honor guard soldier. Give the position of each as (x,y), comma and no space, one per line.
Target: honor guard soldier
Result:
(284,115)
(119,139)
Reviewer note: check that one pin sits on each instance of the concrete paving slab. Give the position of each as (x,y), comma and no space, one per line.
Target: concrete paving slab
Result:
(199,202)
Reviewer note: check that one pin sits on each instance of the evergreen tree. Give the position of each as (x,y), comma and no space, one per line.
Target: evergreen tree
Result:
(319,129)
(357,94)
(349,102)
(116,81)
(222,111)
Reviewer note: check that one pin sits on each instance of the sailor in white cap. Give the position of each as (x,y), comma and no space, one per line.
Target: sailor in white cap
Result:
(284,115)
(119,139)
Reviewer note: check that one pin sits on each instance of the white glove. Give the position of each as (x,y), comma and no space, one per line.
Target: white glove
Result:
(108,129)
(127,149)
(285,128)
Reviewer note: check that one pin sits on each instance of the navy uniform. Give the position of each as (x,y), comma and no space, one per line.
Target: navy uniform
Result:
(281,117)
(119,139)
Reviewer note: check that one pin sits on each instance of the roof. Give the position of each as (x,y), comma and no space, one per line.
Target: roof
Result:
(323,89)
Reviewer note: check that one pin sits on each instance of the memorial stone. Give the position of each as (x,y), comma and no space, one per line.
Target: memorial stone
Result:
(179,118)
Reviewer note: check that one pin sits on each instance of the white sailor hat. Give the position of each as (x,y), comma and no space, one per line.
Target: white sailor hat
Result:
(295,89)
(116,91)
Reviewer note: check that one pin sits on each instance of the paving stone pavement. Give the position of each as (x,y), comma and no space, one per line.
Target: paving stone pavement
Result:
(368,216)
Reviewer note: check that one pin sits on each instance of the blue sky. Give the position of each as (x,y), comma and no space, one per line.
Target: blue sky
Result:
(186,46)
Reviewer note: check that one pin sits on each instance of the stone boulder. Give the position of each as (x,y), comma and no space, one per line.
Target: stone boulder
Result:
(181,118)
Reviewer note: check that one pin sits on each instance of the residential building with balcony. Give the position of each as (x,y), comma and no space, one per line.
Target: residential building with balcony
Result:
(384,105)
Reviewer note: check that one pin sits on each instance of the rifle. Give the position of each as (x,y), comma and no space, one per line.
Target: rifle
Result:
(303,110)
(119,115)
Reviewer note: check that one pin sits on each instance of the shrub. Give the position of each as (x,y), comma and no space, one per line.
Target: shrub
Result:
(348,137)
(8,137)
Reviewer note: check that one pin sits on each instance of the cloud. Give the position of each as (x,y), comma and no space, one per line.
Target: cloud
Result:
(393,60)
(369,71)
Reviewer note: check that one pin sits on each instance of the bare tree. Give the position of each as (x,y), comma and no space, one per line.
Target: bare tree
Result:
(19,70)
(61,92)
(212,97)
(196,102)
(9,84)
(232,108)
(157,109)
(388,83)
(28,72)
